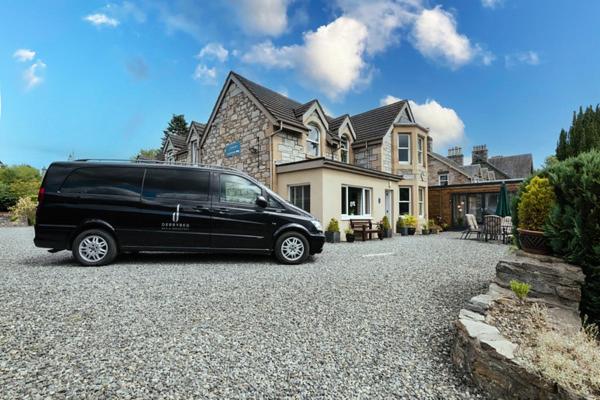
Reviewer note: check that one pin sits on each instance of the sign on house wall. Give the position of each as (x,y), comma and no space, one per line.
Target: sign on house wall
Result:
(233,149)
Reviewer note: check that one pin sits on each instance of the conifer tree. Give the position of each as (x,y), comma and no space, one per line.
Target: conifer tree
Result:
(177,126)
(582,136)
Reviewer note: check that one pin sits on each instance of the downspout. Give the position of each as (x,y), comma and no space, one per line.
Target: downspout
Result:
(272,163)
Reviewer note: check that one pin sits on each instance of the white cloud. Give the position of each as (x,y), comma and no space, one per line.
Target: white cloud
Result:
(100,19)
(263,17)
(205,75)
(524,57)
(445,126)
(214,50)
(332,57)
(436,38)
(23,55)
(491,3)
(32,75)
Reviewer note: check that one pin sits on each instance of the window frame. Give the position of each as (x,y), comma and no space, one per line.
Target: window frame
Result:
(199,199)
(409,201)
(217,192)
(366,202)
(440,179)
(194,150)
(317,142)
(420,147)
(408,147)
(421,201)
(302,186)
(345,150)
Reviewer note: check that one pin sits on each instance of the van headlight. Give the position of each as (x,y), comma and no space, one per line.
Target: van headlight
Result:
(317,225)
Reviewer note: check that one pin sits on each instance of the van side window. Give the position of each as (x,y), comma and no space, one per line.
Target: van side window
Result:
(109,181)
(176,184)
(235,189)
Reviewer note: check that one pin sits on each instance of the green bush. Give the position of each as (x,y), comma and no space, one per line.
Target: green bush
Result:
(400,223)
(535,204)
(521,289)
(25,208)
(573,227)
(385,222)
(410,221)
(16,182)
(333,226)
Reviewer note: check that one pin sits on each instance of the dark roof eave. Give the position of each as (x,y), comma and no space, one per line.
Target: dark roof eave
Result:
(481,183)
(322,162)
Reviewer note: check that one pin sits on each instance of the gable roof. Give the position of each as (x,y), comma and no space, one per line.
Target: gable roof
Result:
(465,170)
(197,127)
(178,141)
(374,124)
(517,166)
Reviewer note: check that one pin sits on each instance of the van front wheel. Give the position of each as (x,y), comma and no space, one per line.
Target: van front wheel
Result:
(292,248)
(94,247)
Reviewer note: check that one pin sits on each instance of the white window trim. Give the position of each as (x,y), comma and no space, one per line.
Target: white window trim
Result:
(420,147)
(194,152)
(347,149)
(297,185)
(421,202)
(347,217)
(409,201)
(440,179)
(318,142)
(408,148)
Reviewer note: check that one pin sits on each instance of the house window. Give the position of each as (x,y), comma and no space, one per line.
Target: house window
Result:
(194,152)
(421,202)
(420,144)
(344,149)
(404,201)
(356,201)
(404,147)
(313,141)
(300,196)
(443,179)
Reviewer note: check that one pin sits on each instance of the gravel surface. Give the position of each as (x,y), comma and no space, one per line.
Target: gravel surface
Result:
(360,320)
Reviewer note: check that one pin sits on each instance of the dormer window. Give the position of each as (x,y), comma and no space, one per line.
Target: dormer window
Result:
(313,142)
(344,146)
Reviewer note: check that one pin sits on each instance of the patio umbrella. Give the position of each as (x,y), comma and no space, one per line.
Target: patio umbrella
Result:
(503,208)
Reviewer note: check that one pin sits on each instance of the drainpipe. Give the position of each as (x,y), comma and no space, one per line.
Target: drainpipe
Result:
(272,163)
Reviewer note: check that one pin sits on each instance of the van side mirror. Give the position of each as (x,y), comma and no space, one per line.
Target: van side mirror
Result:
(262,202)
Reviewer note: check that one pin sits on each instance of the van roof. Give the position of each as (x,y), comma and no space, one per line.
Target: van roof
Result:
(144,164)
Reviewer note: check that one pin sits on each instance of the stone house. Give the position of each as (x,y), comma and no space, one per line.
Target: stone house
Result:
(175,148)
(456,189)
(360,166)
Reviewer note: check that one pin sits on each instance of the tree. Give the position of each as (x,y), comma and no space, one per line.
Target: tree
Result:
(16,182)
(582,136)
(177,126)
(147,154)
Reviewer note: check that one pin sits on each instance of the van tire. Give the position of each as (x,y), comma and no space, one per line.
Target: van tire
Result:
(94,247)
(288,246)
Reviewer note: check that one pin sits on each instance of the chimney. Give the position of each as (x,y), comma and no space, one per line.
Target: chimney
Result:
(479,154)
(429,144)
(456,154)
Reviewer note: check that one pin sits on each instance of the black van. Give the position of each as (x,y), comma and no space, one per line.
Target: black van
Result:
(98,209)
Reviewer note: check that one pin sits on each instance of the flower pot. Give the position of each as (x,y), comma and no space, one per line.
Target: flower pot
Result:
(389,233)
(533,241)
(332,237)
(349,237)
(424,232)
(411,231)
(404,231)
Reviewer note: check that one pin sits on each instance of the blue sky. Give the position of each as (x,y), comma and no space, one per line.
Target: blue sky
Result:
(101,79)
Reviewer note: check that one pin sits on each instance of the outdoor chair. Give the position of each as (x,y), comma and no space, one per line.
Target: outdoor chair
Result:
(492,228)
(363,228)
(506,226)
(472,227)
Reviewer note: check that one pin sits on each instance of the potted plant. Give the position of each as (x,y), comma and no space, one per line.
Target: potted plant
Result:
(534,207)
(349,235)
(433,227)
(386,227)
(401,227)
(411,223)
(332,233)
(425,228)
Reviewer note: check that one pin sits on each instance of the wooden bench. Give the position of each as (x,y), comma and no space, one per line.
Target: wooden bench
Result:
(364,227)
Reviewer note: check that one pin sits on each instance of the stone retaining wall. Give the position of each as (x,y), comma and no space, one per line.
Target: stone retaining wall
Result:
(486,356)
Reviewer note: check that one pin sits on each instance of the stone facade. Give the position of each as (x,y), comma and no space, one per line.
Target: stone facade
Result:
(437,168)
(387,153)
(291,148)
(238,119)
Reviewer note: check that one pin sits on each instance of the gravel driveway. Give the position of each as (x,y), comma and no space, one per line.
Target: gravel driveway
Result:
(360,320)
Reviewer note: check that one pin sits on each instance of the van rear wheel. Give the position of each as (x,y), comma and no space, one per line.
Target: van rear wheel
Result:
(94,247)
(292,248)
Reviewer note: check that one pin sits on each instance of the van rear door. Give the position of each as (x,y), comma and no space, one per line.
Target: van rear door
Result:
(176,209)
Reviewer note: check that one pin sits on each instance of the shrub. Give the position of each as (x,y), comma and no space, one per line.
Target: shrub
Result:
(333,226)
(385,222)
(410,221)
(349,231)
(25,208)
(573,227)
(400,223)
(521,289)
(535,204)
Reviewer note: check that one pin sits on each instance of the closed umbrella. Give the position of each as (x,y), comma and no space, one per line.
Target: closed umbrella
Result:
(503,208)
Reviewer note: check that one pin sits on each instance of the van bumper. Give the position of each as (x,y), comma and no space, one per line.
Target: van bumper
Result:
(316,242)
(52,236)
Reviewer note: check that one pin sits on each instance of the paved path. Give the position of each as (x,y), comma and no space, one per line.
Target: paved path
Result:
(361,320)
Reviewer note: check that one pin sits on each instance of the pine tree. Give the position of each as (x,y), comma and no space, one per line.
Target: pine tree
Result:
(582,136)
(177,126)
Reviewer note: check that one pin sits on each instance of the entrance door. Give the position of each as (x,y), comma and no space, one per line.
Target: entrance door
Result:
(388,204)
